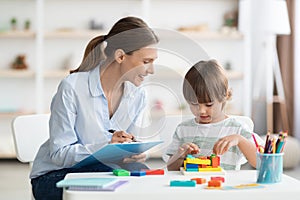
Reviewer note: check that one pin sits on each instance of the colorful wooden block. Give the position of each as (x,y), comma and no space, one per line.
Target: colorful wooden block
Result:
(214,183)
(154,171)
(210,169)
(182,183)
(198,161)
(191,165)
(121,172)
(218,178)
(137,173)
(199,180)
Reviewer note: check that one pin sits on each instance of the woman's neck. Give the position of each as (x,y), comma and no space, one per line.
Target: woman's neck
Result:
(110,78)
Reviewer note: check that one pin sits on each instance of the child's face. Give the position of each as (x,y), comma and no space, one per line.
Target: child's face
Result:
(206,113)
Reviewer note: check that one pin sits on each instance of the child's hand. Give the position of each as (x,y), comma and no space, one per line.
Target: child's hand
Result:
(188,148)
(223,144)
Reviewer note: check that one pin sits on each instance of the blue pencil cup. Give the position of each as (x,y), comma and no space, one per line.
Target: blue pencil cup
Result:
(269,167)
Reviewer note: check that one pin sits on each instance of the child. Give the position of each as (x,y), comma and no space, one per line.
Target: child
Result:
(205,88)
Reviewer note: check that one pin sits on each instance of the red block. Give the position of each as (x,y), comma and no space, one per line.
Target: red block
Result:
(154,171)
(217,178)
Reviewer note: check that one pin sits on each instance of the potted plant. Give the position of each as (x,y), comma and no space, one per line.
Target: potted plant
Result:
(13,23)
(27,25)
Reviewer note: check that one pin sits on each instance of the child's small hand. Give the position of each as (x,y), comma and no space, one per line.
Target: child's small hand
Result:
(223,144)
(188,148)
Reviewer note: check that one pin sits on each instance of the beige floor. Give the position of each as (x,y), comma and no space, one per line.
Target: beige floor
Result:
(14,182)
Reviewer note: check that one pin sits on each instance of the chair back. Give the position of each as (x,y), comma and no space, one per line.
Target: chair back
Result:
(29,133)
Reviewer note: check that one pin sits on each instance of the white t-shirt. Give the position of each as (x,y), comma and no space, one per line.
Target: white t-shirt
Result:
(206,135)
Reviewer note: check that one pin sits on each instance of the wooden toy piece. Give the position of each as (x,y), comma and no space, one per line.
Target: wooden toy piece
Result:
(204,164)
(121,172)
(210,169)
(215,160)
(218,178)
(199,180)
(214,184)
(154,171)
(137,173)
(182,183)
(198,161)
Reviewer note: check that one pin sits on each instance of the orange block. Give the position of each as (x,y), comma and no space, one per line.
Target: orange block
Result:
(218,178)
(214,183)
(199,180)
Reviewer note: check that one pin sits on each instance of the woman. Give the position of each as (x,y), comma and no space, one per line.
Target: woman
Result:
(100,95)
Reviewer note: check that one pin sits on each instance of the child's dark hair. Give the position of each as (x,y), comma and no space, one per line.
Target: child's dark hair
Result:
(206,82)
(129,34)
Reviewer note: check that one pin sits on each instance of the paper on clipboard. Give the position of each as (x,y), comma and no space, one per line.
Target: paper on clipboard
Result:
(116,152)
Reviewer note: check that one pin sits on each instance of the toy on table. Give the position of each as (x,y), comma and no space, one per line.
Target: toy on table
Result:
(214,184)
(121,172)
(137,173)
(202,165)
(199,180)
(182,183)
(154,171)
(143,172)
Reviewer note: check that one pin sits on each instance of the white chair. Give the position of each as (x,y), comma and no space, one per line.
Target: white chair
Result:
(29,133)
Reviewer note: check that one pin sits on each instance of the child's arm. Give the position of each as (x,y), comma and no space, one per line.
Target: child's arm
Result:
(246,147)
(176,160)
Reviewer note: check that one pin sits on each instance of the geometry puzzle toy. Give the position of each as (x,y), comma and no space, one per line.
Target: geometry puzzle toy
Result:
(202,165)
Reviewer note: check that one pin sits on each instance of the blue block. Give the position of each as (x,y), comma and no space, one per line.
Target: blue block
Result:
(137,173)
(183,183)
(190,156)
(192,166)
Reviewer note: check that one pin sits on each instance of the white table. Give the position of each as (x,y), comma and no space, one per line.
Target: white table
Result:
(156,187)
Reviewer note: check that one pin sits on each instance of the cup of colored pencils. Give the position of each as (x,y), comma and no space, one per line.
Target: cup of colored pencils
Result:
(269,163)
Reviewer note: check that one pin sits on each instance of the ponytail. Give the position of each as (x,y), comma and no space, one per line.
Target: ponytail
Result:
(128,34)
(94,53)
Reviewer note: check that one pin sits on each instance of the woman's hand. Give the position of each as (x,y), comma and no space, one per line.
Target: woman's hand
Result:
(121,137)
(188,148)
(223,144)
(136,158)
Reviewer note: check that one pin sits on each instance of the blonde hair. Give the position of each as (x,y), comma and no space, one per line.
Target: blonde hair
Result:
(206,82)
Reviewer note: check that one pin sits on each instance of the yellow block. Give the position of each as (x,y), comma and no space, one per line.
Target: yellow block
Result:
(210,169)
(198,161)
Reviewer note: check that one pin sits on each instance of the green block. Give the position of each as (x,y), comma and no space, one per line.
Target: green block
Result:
(121,172)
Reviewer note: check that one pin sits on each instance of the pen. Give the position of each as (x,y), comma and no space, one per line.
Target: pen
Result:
(112,131)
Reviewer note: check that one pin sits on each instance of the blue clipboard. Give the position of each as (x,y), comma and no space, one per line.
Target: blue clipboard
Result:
(114,153)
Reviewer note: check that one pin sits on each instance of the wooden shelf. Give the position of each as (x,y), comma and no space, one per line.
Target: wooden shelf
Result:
(73,34)
(56,74)
(17,34)
(12,114)
(10,73)
(76,33)
(213,35)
